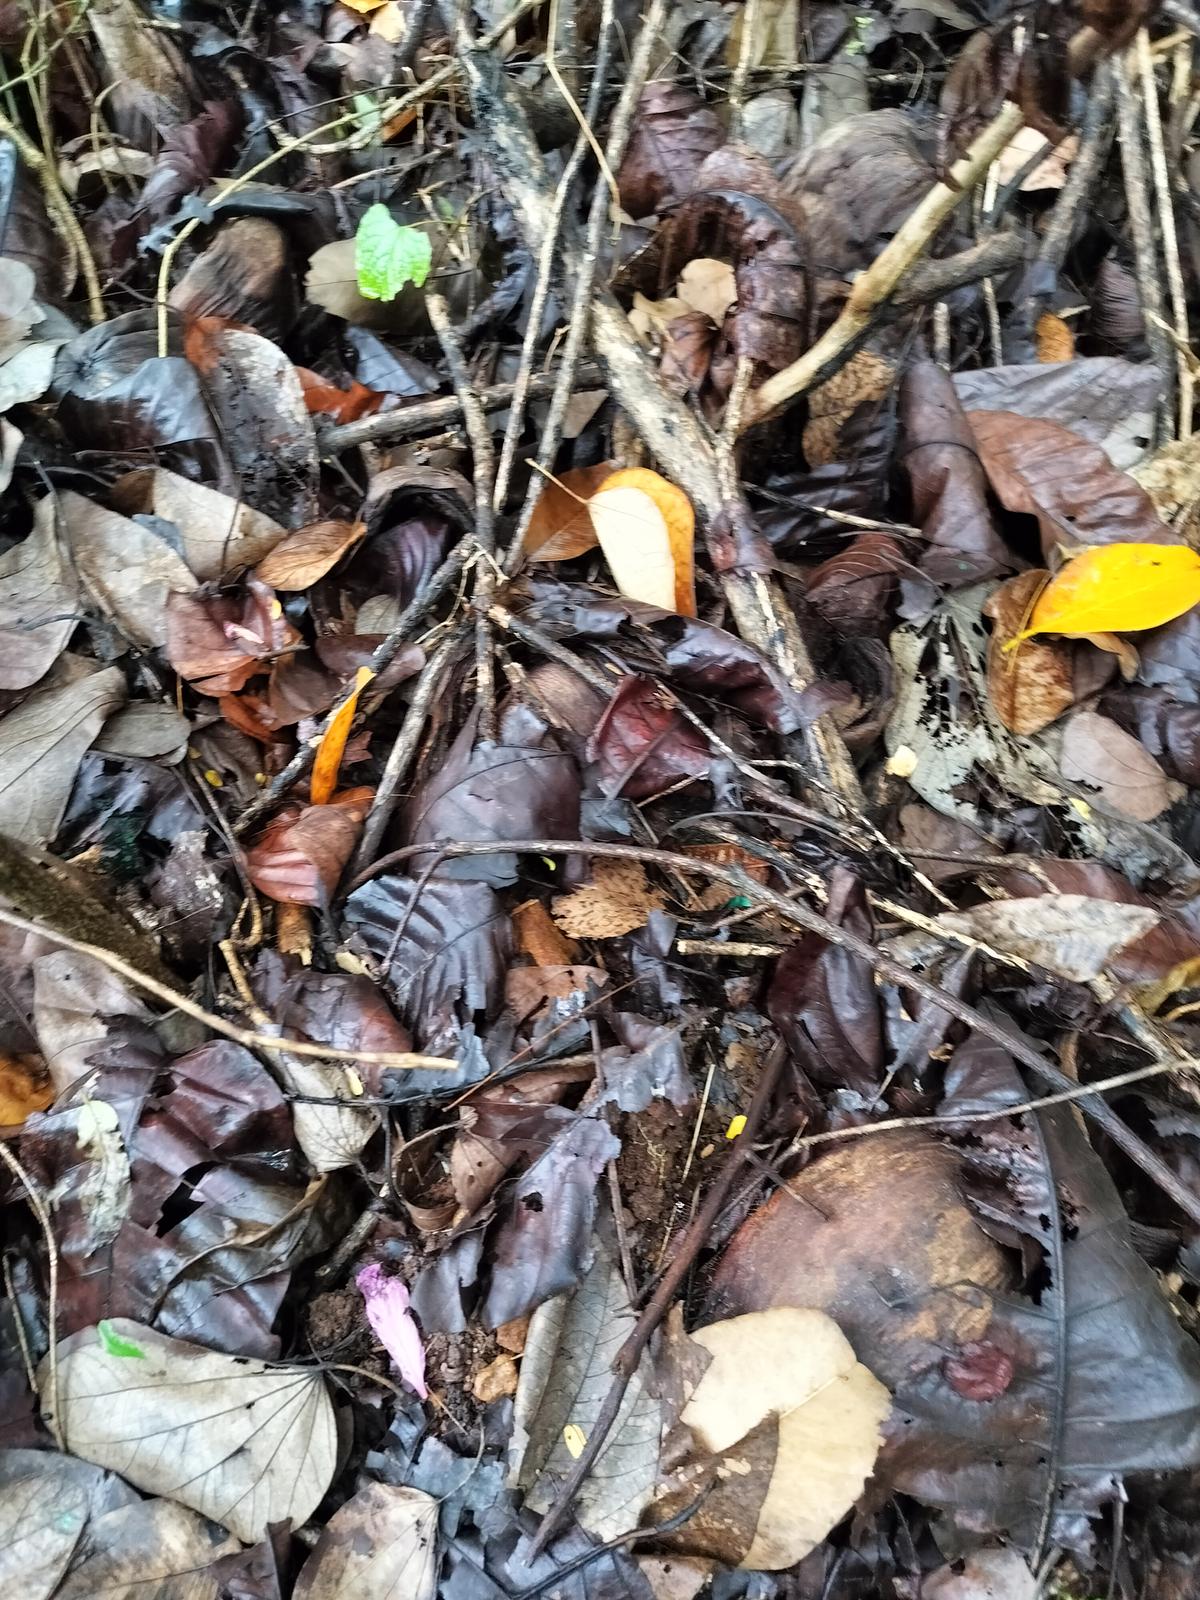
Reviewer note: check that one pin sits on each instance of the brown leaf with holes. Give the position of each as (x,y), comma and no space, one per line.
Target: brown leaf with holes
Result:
(308,554)
(618,899)
(1032,683)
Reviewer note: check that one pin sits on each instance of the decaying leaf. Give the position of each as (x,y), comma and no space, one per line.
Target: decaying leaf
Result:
(1098,753)
(864,380)
(42,743)
(1031,682)
(1072,935)
(242,1442)
(303,852)
(795,1371)
(566,1371)
(618,899)
(381,1545)
(647,528)
(1117,588)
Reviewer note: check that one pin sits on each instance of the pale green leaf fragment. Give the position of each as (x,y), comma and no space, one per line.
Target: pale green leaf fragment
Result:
(114,1345)
(388,256)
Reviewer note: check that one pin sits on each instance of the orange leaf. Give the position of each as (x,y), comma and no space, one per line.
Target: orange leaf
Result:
(24,1087)
(1117,588)
(308,554)
(560,527)
(333,744)
(647,530)
(343,405)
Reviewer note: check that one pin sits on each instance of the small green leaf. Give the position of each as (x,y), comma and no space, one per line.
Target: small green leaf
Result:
(388,256)
(114,1345)
(738,903)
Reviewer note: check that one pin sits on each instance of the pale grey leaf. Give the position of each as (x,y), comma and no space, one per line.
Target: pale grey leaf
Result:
(42,743)
(154,1550)
(217,531)
(1072,935)
(381,1545)
(128,567)
(37,602)
(46,1502)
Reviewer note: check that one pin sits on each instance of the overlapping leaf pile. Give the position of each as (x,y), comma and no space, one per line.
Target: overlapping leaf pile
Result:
(599,918)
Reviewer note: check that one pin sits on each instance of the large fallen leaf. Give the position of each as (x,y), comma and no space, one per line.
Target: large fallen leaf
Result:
(1117,588)
(38,602)
(1072,935)
(647,530)
(1069,485)
(218,532)
(566,1372)
(1100,754)
(794,1369)
(42,743)
(243,1443)
(381,1545)
(153,1547)
(1103,399)
(1030,682)
(127,565)
(47,1501)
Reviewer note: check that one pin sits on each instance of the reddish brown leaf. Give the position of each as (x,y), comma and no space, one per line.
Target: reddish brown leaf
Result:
(308,554)
(980,1371)
(1069,485)
(219,642)
(641,743)
(673,131)
(343,405)
(302,854)
(1032,684)
(560,527)
(853,589)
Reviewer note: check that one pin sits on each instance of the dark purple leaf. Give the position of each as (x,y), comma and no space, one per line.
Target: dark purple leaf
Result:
(642,745)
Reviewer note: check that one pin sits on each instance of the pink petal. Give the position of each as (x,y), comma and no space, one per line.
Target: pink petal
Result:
(391,1321)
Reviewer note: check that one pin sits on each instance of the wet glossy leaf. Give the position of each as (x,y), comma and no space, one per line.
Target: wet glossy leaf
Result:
(673,132)
(1117,588)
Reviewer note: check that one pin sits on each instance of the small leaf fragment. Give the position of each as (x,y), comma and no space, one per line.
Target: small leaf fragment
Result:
(575,1439)
(389,256)
(114,1345)
(333,744)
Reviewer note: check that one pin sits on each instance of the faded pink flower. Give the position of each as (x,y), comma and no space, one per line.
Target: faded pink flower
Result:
(393,1325)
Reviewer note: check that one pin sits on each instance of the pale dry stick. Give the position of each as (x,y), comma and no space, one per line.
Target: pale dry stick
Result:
(252,1040)
(1138,189)
(63,212)
(800,915)
(545,276)
(1167,231)
(751,15)
(402,752)
(483,474)
(385,113)
(584,268)
(37,1205)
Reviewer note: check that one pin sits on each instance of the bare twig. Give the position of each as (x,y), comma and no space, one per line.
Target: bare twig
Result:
(38,1206)
(1141,224)
(1166,226)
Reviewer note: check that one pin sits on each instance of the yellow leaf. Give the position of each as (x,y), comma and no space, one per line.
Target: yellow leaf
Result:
(1117,588)
(333,744)
(735,1127)
(647,530)
(574,1438)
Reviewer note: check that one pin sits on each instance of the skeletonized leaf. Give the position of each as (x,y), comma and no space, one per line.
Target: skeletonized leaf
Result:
(1118,588)
(646,528)
(381,1545)
(618,899)
(241,1442)
(308,554)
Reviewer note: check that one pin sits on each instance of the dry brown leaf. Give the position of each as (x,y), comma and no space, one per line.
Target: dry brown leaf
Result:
(717,895)
(794,1369)
(618,899)
(1032,684)
(560,528)
(217,532)
(1055,341)
(707,286)
(497,1379)
(865,378)
(1098,753)
(537,936)
(308,554)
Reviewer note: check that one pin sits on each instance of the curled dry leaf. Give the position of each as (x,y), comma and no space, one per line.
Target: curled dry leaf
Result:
(381,1545)
(241,1442)
(303,852)
(618,899)
(308,554)
(794,1370)
(1117,588)
(647,530)
(1030,682)
(561,528)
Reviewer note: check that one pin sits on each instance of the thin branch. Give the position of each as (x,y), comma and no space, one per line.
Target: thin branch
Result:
(1167,232)
(37,1204)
